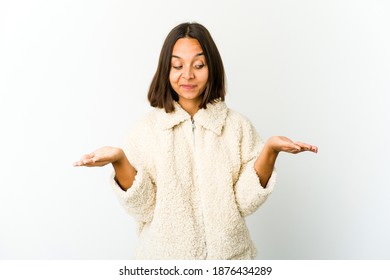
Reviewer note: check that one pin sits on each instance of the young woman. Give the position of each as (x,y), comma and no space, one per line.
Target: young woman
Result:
(192,169)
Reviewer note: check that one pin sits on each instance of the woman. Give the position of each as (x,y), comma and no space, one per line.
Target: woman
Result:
(192,169)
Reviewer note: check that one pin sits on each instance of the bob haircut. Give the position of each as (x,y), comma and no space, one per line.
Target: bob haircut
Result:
(161,93)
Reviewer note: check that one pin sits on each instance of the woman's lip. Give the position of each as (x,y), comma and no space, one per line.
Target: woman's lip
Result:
(188,86)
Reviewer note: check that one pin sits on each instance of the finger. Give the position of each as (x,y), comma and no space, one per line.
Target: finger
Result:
(313,149)
(88,156)
(295,148)
(307,147)
(81,163)
(88,161)
(77,163)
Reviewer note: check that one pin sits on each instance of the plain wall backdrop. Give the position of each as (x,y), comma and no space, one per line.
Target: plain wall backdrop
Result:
(74,77)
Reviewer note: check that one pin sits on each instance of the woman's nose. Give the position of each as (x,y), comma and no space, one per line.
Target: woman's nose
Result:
(188,73)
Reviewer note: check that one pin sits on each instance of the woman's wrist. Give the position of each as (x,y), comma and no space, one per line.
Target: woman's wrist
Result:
(124,171)
(271,149)
(120,158)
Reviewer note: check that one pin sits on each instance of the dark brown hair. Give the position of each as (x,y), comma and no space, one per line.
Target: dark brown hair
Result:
(161,94)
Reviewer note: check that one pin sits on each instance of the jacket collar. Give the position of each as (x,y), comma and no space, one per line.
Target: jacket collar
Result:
(212,118)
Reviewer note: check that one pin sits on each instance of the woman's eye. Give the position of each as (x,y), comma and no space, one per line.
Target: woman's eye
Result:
(199,66)
(177,67)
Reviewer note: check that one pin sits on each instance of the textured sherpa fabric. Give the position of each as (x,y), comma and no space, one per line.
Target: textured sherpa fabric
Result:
(195,183)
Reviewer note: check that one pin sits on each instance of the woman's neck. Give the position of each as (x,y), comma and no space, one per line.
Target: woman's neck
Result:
(190,106)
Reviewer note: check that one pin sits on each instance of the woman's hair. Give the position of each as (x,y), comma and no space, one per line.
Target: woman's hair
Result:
(161,94)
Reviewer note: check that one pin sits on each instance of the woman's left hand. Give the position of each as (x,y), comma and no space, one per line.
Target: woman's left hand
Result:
(264,164)
(284,144)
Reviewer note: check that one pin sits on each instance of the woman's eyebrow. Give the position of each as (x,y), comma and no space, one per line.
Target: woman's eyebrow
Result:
(176,56)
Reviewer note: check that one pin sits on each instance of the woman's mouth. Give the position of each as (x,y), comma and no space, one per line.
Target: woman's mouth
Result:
(188,86)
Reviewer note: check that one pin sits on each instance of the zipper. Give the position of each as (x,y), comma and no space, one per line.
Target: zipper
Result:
(196,179)
(193,131)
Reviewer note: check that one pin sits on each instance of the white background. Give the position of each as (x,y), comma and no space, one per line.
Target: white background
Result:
(74,76)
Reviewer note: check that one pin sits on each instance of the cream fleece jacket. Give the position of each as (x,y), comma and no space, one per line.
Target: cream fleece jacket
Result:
(195,183)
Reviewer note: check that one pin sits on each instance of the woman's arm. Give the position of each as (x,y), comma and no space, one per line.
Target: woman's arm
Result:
(265,163)
(124,171)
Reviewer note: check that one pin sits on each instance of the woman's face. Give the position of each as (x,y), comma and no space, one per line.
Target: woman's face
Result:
(189,73)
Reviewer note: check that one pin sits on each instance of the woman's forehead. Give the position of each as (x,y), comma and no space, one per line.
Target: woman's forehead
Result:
(187,48)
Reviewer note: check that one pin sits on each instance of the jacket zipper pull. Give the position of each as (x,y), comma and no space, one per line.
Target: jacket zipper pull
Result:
(193,124)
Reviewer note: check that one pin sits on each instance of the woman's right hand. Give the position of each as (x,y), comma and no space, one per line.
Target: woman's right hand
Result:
(101,157)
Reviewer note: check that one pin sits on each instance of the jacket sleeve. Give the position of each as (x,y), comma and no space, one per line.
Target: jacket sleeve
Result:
(140,199)
(248,190)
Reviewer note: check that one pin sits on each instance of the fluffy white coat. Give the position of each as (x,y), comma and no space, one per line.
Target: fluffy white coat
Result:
(195,183)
